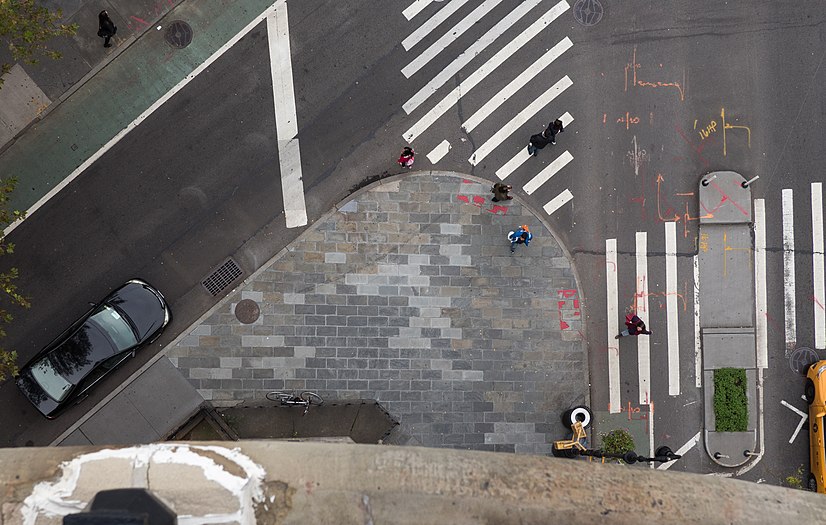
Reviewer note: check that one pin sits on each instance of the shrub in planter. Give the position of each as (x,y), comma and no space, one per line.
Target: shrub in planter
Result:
(731,410)
(617,441)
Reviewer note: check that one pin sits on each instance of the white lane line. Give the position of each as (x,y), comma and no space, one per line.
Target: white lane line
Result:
(803,417)
(817,266)
(449,37)
(643,347)
(522,155)
(672,310)
(432,23)
(612,301)
(760,295)
(517,83)
(286,121)
(439,152)
(788,271)
(456,94)
(557,202)
(519,120)
(550,170)
(698,348)
(691,443)
(449,72)
(143,116)
(415,8)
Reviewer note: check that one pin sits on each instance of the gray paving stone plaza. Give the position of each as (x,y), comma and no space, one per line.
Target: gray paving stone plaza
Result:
(408,294)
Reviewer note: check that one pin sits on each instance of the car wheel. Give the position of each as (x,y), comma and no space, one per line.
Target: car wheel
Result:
(809,391)
(812,483)
(579,413)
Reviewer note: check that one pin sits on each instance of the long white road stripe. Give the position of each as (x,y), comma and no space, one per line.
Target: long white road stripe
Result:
(760,295)
(286,122)
(467,55)
(550,170)
(643,347)
(611,301)
(558,201)
(517,83)
(439,152)
(456,94)
(449,37)
(698,348)
(672,310)
(415,8)
(681,451)
(522,156)
(817,265)
(432,23)
(519,120)
(788,271)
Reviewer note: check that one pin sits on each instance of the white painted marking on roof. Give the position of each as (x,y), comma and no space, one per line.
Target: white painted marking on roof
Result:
(672,310)
(691,443)
(449,37)
(439,152)
(788,271)
(522,155)
(818,266)
(286,121)
(558,201)
(698,347)
(760,295)
(550,170)
(612,312)
(643,347)
(432,23)
(415,8)
(803,417)
(517,83)
(519,120)
(143,116)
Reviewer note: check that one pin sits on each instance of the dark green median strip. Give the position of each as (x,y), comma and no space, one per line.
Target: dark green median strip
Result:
(731,410)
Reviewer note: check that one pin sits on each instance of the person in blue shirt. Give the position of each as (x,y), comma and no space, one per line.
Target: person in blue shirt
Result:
(520,236)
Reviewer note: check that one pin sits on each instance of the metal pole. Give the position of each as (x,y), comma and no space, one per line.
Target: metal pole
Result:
(705,182)
(746,183)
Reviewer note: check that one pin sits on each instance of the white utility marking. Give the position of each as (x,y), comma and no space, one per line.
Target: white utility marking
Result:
(286,121)
(449,37)
(439,152)
(643,347)
(558,201)
(698,348)
(760,295)
(788,271)
(612,300)
(519,120)
(517,83)
(803,417)
(456,94)
(681,451)
(415,8)
(432,23)
(550,170)
(143,116)
(672,309)
(817,266)
(449,72)
(522,156)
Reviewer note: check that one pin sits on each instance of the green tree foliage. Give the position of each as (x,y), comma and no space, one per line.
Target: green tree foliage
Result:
(9,295)
(731,409)
(617,441)
(25,27)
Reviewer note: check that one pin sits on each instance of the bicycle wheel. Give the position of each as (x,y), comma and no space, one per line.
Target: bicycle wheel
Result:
(311,398)
(279,396)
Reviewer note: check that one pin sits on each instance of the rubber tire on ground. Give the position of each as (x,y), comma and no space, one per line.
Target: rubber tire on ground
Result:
(569,453)
(279,396)
(812,483)
(579,413)
(312,398)
(809,391)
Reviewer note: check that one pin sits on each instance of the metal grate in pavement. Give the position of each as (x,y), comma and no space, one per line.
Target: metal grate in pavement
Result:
(218,280)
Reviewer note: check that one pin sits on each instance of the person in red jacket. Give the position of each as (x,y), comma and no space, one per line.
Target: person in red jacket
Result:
(633,326)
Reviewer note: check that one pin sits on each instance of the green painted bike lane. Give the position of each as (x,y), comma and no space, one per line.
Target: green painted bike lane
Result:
(105,108)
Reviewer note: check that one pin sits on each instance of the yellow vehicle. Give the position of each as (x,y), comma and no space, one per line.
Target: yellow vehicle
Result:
(816,397)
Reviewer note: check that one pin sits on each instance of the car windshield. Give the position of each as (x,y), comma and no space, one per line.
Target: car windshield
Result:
(111,322)
(54,384)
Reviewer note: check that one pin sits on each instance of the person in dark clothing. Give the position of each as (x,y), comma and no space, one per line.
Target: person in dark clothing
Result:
(633,326)
(500,192)
(538,141)
(106,28)
(554,128)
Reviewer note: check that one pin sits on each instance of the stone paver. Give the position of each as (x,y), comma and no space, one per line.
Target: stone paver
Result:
(409,295)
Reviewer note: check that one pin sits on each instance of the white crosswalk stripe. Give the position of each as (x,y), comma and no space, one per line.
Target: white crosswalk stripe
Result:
(819,296)
(522,156)
(788,271)
(432,23)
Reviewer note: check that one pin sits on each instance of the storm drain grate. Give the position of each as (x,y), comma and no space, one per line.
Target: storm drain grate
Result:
(178,34)
(222,277)
(588,12)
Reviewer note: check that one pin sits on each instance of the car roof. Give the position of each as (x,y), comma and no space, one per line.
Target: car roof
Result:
(81,352)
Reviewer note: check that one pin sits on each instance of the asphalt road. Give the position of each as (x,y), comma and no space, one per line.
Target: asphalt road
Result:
(199,180)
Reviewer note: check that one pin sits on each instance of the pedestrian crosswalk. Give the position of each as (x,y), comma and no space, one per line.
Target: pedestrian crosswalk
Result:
(502,34)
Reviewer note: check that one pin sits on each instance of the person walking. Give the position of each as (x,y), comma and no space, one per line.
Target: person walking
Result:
(500,192)
(633,326)
(106,28)
(522,235)
(538,141)
(554,128)
(407,157)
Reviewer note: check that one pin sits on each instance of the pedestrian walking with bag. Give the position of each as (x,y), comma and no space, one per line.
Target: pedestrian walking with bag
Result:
(407,157)
(106,28)
(500,192)
(554,128)
(538,141)
(522,235)
(633,326)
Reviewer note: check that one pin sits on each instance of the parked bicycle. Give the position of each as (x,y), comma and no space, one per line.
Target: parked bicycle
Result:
(304,399)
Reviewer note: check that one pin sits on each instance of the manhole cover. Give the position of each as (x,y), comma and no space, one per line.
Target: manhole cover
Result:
(588,12)
(179,34)
(801,358)
(247,311)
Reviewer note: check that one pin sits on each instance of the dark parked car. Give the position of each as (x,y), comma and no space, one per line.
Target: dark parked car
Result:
(107,335)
